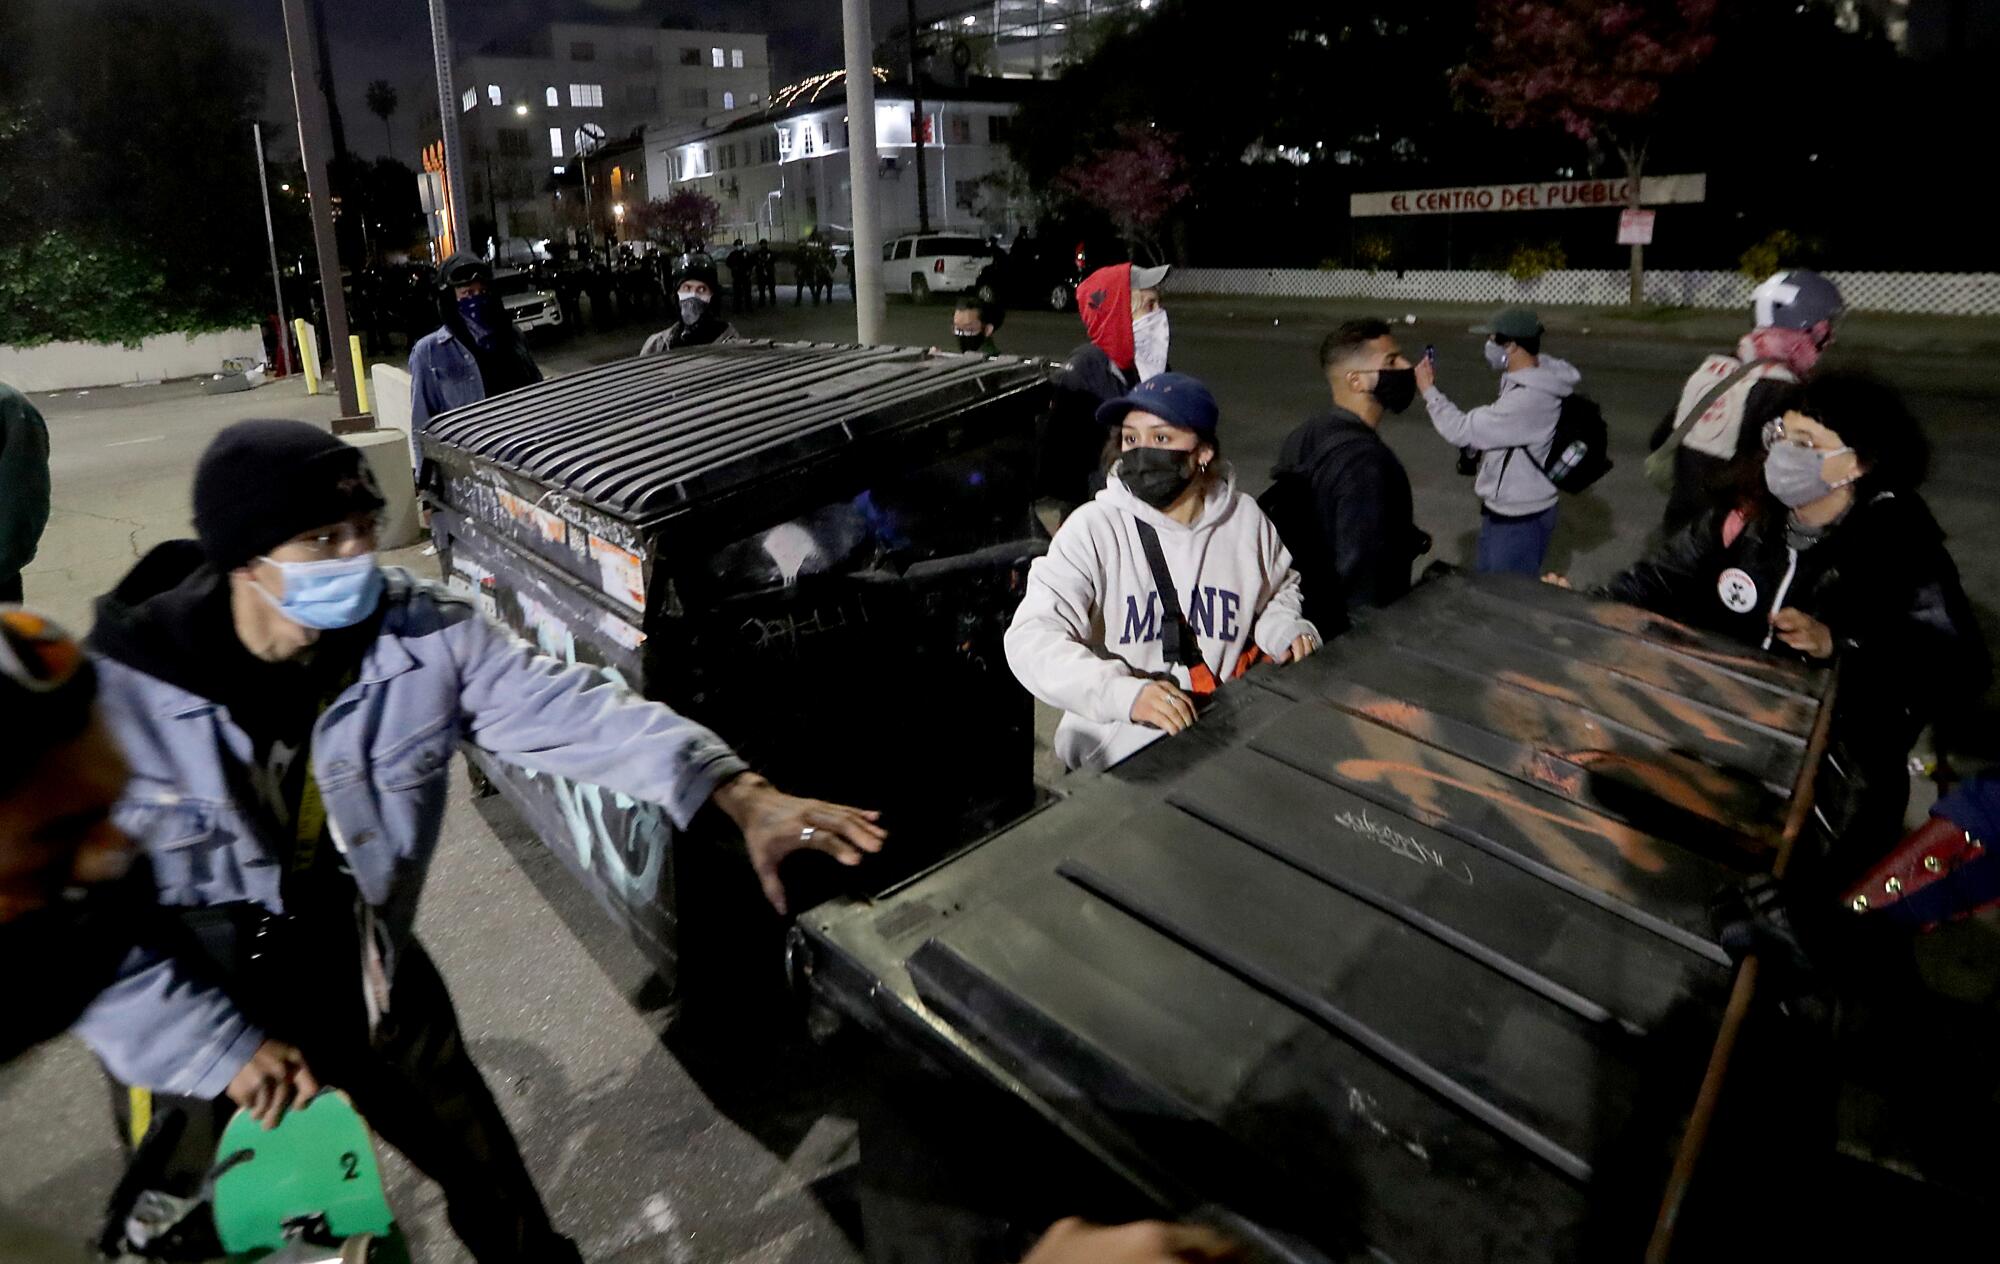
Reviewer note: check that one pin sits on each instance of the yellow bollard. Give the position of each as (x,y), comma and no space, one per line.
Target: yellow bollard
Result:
(360,371)
(308,354)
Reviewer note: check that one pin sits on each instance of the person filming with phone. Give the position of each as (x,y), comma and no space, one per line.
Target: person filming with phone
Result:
(1512,435)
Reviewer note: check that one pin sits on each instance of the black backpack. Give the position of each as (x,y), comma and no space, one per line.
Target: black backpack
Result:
(1579,454)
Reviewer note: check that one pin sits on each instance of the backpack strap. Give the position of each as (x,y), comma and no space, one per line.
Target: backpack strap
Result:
(1706,402)
(1176,633)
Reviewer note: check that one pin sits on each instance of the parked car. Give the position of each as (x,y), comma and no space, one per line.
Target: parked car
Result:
(920,266)
(530,304)
(1044,271)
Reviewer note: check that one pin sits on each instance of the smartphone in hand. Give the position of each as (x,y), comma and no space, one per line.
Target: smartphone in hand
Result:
(1431,354)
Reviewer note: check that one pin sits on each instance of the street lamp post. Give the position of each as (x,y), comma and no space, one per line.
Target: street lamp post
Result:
(271,237)
(454,174)
(314,144)
(870,304)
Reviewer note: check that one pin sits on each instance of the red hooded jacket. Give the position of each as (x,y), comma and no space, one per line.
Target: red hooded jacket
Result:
(1104,300)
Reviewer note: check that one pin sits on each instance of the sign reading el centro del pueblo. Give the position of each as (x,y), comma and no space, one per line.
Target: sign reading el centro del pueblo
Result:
(1554,196)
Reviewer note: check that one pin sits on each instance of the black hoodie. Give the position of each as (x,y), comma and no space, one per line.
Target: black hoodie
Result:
(1341,502)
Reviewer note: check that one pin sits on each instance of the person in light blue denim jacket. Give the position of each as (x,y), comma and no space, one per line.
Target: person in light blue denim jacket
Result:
(476,353)
(289,710)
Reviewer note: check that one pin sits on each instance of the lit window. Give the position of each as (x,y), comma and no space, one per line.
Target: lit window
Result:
(470,99)
(784,143)
(492,94)
(586,94)
(715,58)
(553,97)
(729,100)
(736,58)
(555,142)
(560,170)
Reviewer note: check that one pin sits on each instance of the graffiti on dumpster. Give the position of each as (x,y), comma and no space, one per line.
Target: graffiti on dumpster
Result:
(621,840)
(1403,845)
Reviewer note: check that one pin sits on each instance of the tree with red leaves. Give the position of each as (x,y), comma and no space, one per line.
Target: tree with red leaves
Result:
(1597,71)
(1135,182)
(681,223)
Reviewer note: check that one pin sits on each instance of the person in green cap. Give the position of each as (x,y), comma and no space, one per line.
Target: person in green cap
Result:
(1512,434)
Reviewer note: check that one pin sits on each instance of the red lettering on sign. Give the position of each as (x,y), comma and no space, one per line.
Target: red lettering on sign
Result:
(1399,204)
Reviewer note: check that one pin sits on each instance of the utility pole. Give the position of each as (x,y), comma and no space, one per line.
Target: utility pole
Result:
(271,236)
(313,146)
(917,125)
(454,173)
(870,305)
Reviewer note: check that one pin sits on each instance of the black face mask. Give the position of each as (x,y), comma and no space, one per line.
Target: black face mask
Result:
(693,308)
(58,959)
(1156,475)
(1396,388)
(969,342)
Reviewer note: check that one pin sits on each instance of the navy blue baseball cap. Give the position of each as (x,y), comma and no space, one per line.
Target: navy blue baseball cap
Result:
(1175,398)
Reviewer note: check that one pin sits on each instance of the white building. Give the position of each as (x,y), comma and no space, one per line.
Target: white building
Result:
(781,171)
(522,103)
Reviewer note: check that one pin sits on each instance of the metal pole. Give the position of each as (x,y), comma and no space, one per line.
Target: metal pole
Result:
(589,228)
(313,147)
(870,305)
(454,174)
(271,236)
(917,127)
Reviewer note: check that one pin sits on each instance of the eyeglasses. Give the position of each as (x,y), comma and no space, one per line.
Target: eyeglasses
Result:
(36,654)
(1774,434)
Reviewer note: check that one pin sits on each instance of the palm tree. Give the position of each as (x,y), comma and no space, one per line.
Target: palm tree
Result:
(382,103)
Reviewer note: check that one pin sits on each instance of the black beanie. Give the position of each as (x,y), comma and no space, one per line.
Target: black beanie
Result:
(262,482)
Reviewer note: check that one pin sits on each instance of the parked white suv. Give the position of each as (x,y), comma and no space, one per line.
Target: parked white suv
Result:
(924,265)
(527,306)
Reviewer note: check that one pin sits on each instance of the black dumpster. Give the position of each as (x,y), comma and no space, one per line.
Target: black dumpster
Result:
(1404,953)
(813,549)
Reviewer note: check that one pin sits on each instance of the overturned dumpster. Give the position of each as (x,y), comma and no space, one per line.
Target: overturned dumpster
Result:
(813,549)
(1403,953)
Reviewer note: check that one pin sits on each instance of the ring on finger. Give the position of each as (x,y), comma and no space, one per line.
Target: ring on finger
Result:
(806,834)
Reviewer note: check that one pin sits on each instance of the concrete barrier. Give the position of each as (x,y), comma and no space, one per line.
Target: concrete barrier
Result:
(62,366)
(387,448)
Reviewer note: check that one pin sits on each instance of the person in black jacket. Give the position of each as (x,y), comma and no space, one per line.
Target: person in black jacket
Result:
(24,487)
(1841,559)
(1340,497)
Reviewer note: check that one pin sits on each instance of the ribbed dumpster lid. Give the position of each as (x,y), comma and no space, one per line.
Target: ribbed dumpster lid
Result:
(1409,941)
(642,436)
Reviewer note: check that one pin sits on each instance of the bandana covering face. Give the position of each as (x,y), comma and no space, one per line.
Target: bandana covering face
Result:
(1104,300)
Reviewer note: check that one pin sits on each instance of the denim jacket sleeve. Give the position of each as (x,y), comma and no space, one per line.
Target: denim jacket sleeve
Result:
(159,1027)
(572,721)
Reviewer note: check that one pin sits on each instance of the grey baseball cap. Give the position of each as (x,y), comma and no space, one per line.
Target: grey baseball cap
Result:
(1150,278)
(1798,299)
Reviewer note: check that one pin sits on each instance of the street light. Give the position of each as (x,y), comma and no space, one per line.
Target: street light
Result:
(521,110)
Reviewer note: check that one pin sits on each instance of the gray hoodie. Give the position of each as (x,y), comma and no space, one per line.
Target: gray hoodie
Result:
(1512,433)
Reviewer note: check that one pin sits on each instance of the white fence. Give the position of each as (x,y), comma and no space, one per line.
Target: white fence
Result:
(1935,293)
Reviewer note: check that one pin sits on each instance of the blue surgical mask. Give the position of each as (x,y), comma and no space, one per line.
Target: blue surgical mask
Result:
(337,593)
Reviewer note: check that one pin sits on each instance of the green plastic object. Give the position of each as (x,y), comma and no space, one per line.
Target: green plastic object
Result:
(319,1160)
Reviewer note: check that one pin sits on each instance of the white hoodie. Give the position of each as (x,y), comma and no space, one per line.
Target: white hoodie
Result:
(1087,635)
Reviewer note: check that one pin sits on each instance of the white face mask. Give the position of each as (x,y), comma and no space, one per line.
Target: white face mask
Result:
(1149,343)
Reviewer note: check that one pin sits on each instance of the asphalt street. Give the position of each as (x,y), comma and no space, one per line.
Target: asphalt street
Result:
(646,1155)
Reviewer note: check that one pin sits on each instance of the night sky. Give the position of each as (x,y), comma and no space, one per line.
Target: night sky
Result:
(390,39)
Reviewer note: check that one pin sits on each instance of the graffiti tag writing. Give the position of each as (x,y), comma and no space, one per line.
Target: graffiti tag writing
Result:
(1403,845)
